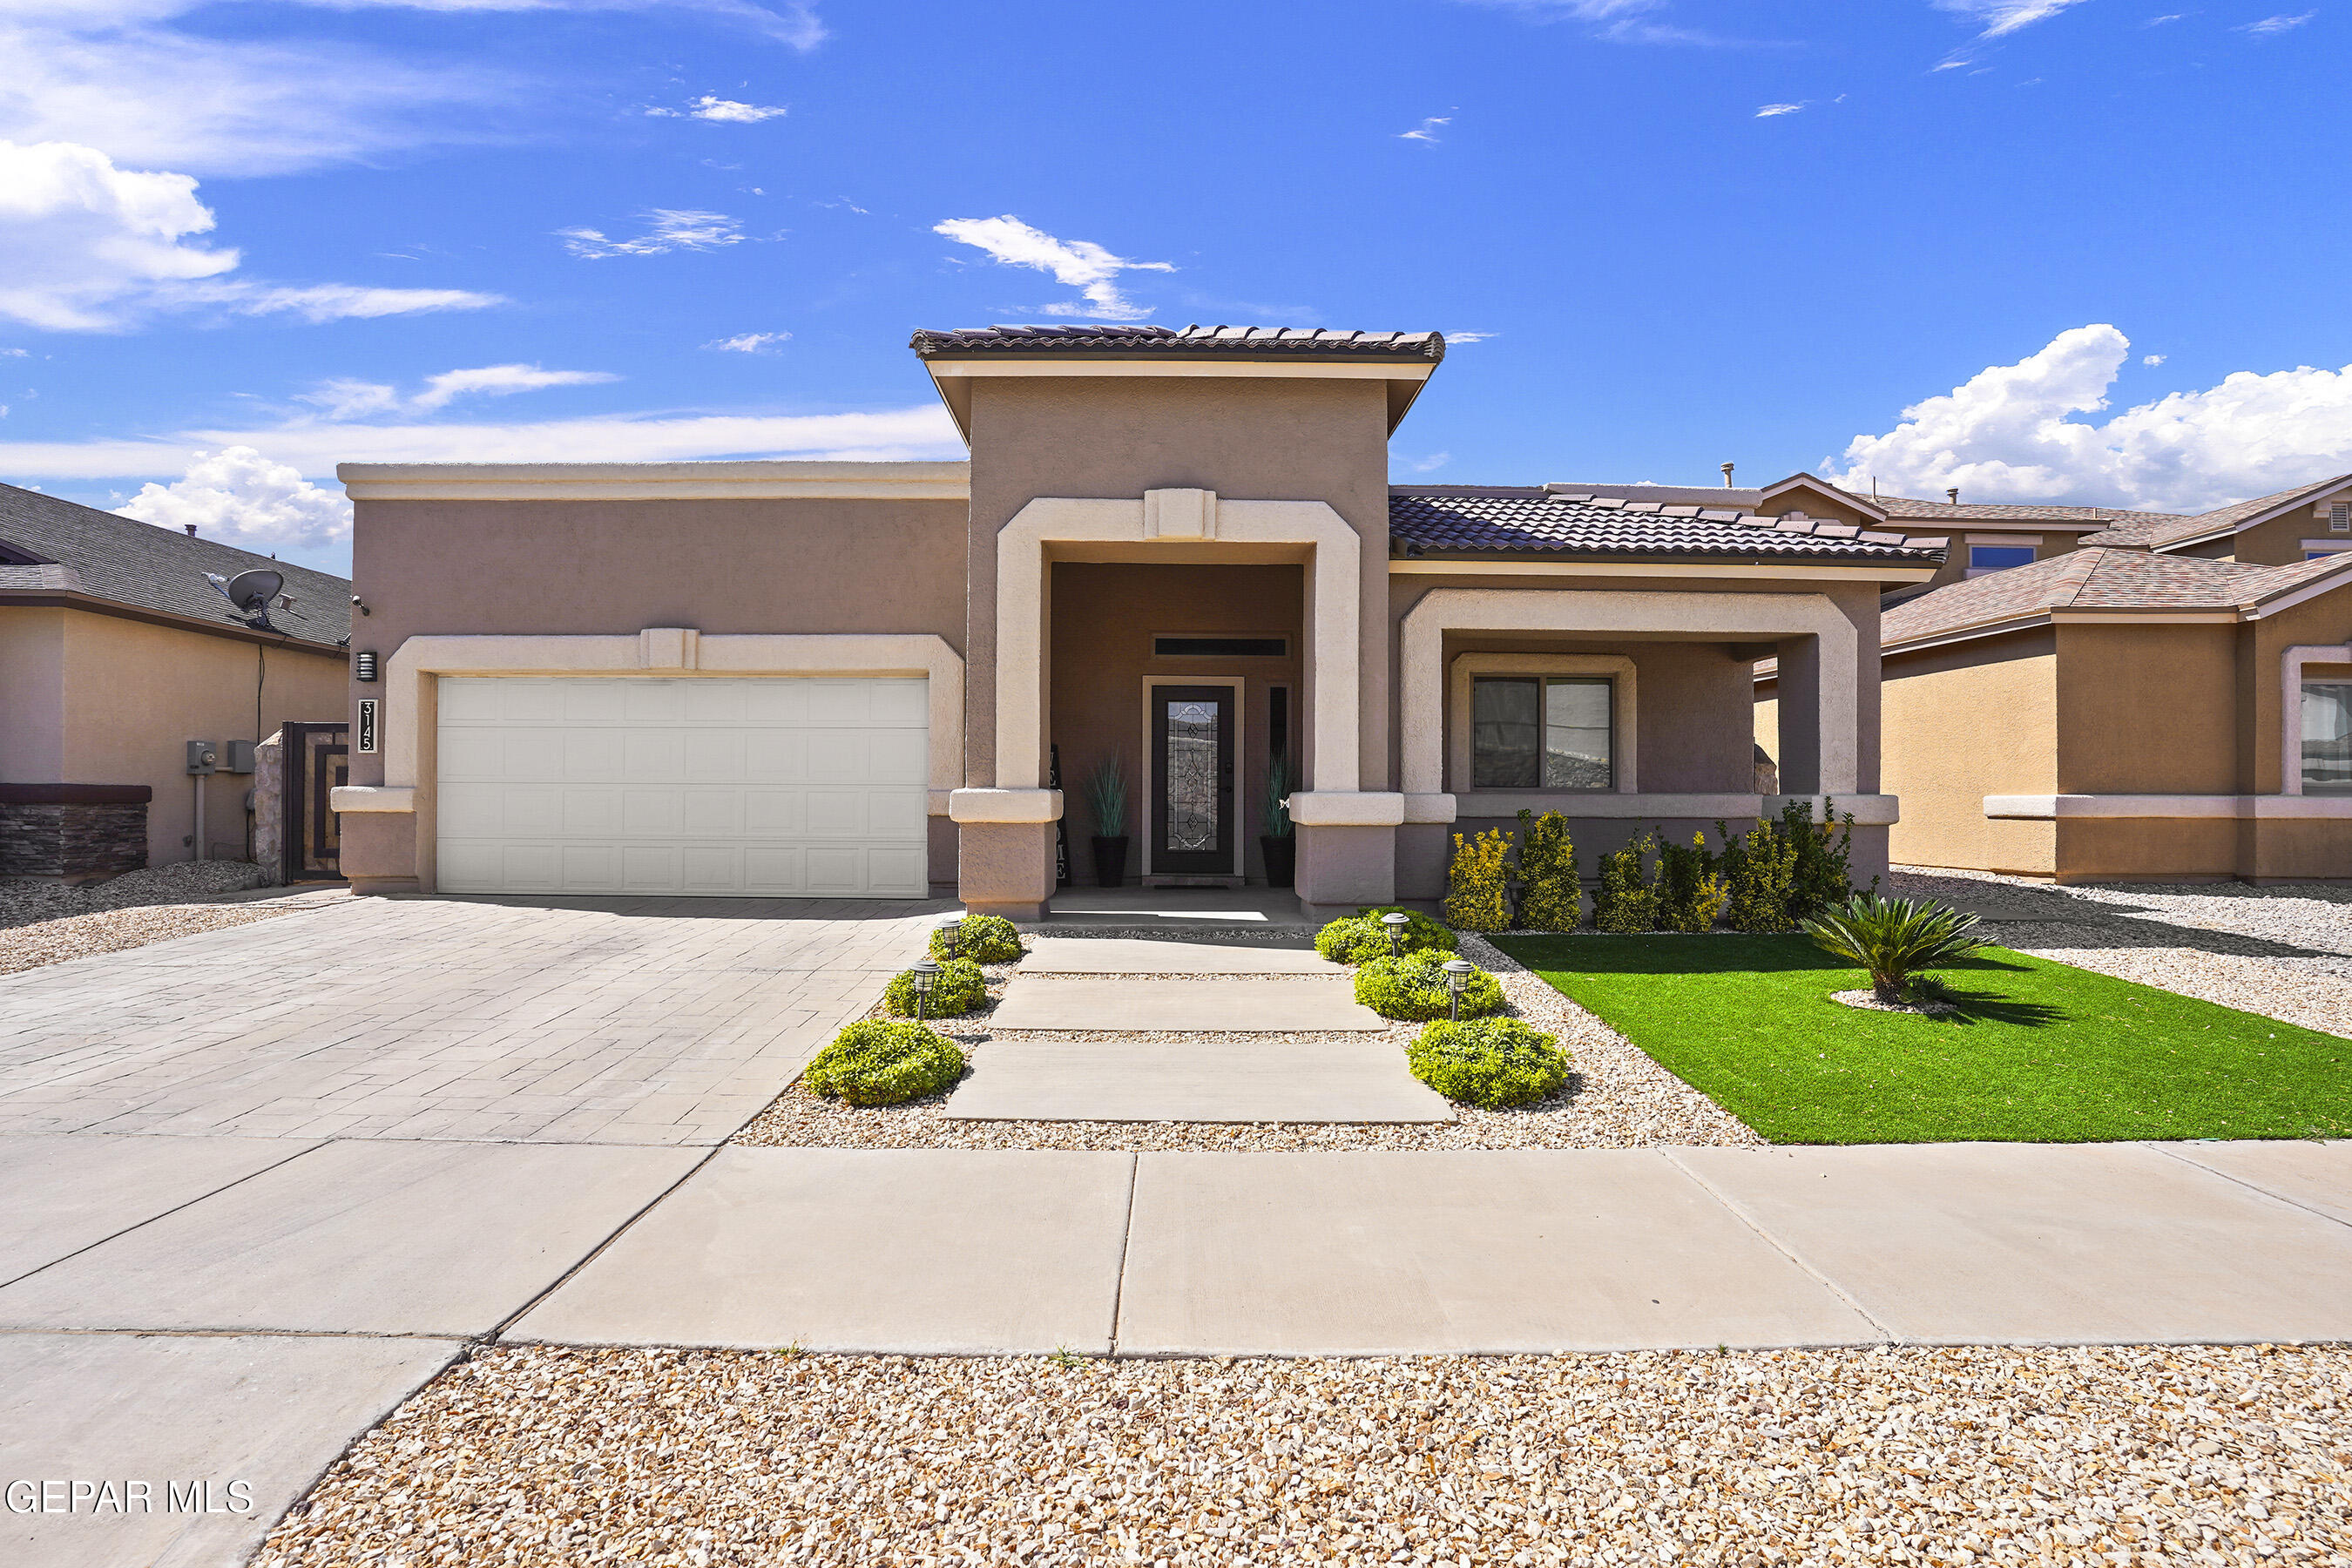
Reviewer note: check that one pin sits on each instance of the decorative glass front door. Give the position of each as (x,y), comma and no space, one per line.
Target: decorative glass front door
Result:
(1192,780)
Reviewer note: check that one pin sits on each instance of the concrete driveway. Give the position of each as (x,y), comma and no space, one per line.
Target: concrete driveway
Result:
(606,1021)
(265,1181)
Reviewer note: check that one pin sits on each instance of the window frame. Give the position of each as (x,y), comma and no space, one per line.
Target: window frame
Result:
(2305,785)
(1624,703)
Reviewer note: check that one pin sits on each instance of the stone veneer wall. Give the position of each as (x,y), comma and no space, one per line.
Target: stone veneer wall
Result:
(74,840)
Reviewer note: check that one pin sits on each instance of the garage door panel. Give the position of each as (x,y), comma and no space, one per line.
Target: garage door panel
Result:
(777,785)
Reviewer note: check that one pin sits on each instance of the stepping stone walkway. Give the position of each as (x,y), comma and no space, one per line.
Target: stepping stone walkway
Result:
(1174,992)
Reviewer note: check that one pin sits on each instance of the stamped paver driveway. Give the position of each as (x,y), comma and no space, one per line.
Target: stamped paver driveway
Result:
(598,1021)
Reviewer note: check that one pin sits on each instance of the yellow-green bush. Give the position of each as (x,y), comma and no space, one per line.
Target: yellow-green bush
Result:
(958,988)
(1490,1062)
(1478,896)
(879,1061)
(1360,938)
(1552,899)
(983,939)
(1624,903)
(1414,987)
(1690,890)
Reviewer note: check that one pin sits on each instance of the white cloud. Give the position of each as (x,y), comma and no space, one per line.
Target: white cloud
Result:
(2160,21)
(1079,263)
(87,247)
(750,343)
(345,398)
(2151,359)
(2009,433)
(1771,110)
(1426,130)
(239,497)
(723,110)
(1619,21)
(2002,17)
(1430,464)
(314,446)
(2270,26)
(1453,338)
(672,230)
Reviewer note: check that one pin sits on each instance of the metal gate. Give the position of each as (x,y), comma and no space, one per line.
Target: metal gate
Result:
(316,761)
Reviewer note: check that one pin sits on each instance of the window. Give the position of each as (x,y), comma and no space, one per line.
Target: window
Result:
(2327,737)
(1999,557)
(1220,647)
(1530,732)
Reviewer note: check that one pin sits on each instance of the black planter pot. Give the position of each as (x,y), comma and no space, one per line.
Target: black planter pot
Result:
(1281,859)
(1110,861)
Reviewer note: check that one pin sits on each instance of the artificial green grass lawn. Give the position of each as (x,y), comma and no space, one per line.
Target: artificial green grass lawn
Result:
(2040,1052)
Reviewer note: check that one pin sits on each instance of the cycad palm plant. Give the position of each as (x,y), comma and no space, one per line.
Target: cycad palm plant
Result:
(1895,939)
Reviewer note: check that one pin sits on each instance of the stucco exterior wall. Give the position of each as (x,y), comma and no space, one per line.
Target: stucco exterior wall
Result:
(615,567)
(2148,709)
(1963,723)
(99,699)
(1114,439)
(1104,619)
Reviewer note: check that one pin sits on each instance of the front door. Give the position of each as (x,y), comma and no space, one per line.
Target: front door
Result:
(1192,780)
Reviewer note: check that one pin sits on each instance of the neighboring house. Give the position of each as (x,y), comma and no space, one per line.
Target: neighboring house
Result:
(1179,550)
(115,653)
(2122,714)
(2299,524)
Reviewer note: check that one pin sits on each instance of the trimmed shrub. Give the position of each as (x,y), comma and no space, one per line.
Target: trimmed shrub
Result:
(1823,874)
(1360,938)
(1691,892)
(1478,882)
(958,988)
(1552,900)
(1623,902)
(1894,939)
(983,939)
(878,1061)
(1760,867)
(1413,987)
(1489,1062)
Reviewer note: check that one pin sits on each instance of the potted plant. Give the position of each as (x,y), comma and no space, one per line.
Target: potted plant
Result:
(1106,792)
(1277,844)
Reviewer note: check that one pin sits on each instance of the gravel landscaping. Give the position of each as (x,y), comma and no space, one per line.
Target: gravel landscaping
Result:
(2283,951)
(50,922)
(1617,1098)
(564,1458)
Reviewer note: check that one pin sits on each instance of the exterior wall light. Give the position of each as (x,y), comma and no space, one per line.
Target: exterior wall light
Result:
(363,666)
(1396,920)
(925,972)
(1457,975)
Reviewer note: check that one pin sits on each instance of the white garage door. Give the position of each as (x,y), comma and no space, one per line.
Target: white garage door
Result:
(776,785)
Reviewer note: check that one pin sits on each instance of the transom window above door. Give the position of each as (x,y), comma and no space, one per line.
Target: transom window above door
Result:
(1539,731)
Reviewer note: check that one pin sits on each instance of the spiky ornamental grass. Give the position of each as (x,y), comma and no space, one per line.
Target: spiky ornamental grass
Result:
(1894,939)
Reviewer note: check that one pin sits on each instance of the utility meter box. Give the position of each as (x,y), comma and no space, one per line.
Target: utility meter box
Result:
(204,757)
(239,757)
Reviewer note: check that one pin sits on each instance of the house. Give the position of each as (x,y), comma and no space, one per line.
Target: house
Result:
(1173,550)
(115,653)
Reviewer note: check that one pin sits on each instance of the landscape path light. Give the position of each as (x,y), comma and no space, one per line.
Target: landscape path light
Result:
(1457,975)
(925,971)
(1396,920)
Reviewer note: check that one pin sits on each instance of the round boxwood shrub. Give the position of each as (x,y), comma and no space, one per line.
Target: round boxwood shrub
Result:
(879,1061)
(958,987)
(1489,1062)
(1414,987)
(1359,937)
(983,939)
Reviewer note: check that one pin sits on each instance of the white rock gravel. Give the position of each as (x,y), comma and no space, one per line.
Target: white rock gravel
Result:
(2284,953)
(568,1457)
(43,922)
(1617,1098)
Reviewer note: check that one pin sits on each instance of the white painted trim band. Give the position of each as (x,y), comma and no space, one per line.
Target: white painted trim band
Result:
(2168,807)
(370,797)
(1006,805)
(1347,808)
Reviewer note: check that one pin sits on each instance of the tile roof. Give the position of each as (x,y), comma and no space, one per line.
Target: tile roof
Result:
(1128,340)
(2096,578)
(1671,495)
(1908,507)
(81,548)
(2152,531)
(1496,519)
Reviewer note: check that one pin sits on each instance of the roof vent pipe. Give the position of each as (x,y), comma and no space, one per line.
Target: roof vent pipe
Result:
(191,528)
(1953,495)
(1727,475)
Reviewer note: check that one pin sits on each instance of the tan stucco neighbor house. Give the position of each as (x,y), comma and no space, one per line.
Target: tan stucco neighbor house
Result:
(115,653)
(1176,549)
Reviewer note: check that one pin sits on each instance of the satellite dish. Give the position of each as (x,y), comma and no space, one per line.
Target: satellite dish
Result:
(250,591)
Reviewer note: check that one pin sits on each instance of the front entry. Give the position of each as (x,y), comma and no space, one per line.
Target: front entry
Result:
(1192,826)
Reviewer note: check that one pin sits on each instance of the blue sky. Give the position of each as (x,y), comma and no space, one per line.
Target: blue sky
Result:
(2097,248)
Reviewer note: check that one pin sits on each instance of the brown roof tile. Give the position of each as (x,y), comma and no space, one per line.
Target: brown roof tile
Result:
(2096,578)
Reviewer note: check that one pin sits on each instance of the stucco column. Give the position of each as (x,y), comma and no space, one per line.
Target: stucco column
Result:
(1347,850)
(1800,715)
